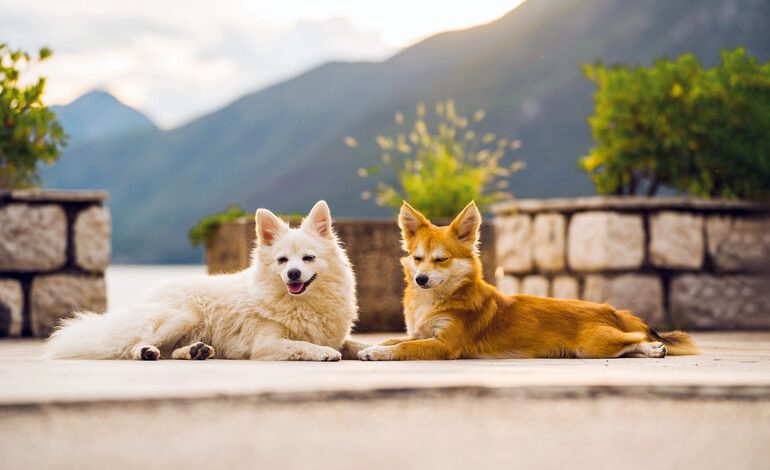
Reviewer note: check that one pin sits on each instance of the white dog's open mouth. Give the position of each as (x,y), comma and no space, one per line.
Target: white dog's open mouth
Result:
(297,288)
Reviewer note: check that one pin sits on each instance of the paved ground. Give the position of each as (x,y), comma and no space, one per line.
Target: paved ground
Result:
(707,411)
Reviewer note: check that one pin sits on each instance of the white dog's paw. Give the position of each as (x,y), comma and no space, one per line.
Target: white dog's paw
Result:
(321,353)
(656,349)
(376,353)
(197,351)
(149,353)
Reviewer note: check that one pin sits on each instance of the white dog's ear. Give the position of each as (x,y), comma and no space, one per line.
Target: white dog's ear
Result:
(466,225)
(269,227)
(410,220)
(319,220)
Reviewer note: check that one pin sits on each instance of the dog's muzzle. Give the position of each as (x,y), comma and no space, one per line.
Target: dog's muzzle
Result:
(298,287)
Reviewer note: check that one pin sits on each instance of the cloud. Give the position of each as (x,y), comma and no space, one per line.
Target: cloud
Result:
(177,59)
(170,62)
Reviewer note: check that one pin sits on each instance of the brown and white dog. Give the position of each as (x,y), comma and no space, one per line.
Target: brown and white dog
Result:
(452,313)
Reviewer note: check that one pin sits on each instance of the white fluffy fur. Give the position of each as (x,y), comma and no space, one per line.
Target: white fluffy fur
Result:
(247,315)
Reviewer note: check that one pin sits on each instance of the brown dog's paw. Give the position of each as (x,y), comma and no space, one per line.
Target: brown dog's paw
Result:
(656,350)
(376,353)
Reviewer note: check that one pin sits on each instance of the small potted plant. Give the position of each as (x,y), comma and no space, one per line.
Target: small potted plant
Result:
(439,169)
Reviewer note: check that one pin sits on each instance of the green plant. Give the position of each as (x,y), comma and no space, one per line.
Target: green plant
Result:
(701,131)
(439,171)
(29,131)
(201,232)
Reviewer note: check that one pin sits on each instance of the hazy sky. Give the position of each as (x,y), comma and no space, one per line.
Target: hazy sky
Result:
(177,59)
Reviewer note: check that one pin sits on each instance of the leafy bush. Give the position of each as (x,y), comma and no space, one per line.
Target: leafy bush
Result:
(200,233)
(701,131)
(29,131)
(439,171)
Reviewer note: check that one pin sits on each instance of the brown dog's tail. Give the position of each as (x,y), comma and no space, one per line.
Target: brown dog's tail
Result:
(678,343)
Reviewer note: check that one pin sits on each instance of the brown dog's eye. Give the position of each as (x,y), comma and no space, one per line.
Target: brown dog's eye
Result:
(418,259)
(439,260)
(282,260)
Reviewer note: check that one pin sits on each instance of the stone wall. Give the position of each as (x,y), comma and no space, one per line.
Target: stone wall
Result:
(374,248)
(54,248)
(676,262)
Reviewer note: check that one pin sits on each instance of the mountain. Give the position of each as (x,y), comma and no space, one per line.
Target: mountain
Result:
(282,147)
(99,115)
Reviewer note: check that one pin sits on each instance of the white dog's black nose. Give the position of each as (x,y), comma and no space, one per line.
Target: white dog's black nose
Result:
(294,274)
(421,280)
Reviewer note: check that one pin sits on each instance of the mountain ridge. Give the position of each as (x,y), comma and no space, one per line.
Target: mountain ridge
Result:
(282,147)
(97,114)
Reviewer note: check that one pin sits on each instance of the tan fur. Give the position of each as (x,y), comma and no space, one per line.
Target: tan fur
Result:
(459,315)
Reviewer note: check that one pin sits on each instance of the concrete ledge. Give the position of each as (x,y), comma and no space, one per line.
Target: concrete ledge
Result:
(53,195)
(619,203)
(462,430)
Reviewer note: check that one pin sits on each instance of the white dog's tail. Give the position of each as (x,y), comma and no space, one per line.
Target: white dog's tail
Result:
(87,335)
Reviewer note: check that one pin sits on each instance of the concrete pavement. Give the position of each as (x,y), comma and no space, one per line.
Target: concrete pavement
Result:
(707,411)
(733,365)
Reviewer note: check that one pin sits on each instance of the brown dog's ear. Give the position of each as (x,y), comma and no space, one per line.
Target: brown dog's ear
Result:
(466,225)
(269,227)
(410,220)
(319,220)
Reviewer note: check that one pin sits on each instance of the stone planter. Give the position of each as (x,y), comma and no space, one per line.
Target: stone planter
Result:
(54,248)
(676,262)
(374,248)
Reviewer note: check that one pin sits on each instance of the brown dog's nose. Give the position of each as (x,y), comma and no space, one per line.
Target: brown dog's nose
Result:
(421,280)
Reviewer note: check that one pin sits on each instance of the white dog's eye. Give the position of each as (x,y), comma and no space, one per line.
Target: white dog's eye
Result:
(308,258)
(282,260)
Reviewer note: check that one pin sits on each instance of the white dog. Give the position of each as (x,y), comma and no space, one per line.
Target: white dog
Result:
(295,302)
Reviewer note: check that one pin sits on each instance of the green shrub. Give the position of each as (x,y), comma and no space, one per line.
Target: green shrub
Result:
(440,170)
(700,131)
(200,233)
(29,131)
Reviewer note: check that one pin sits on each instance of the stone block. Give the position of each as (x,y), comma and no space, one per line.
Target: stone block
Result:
(512,240)
(58,296)
(708,301)
(535,285)
(605,240)
(11,307)
(738,243)
(676,240)
(565,287)
(508,285)
(548,242)
(92,238)
(32,238)
(639,293)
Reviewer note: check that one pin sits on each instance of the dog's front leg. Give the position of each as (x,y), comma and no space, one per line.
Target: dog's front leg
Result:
(271,348)
(430,349)
(445,344)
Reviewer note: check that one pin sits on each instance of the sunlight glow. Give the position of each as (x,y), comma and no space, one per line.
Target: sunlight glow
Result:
(178,59)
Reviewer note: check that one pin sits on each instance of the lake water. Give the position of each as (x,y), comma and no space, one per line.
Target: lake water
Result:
(125,283)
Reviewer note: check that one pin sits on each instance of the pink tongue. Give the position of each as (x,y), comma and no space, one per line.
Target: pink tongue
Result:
(296,287)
